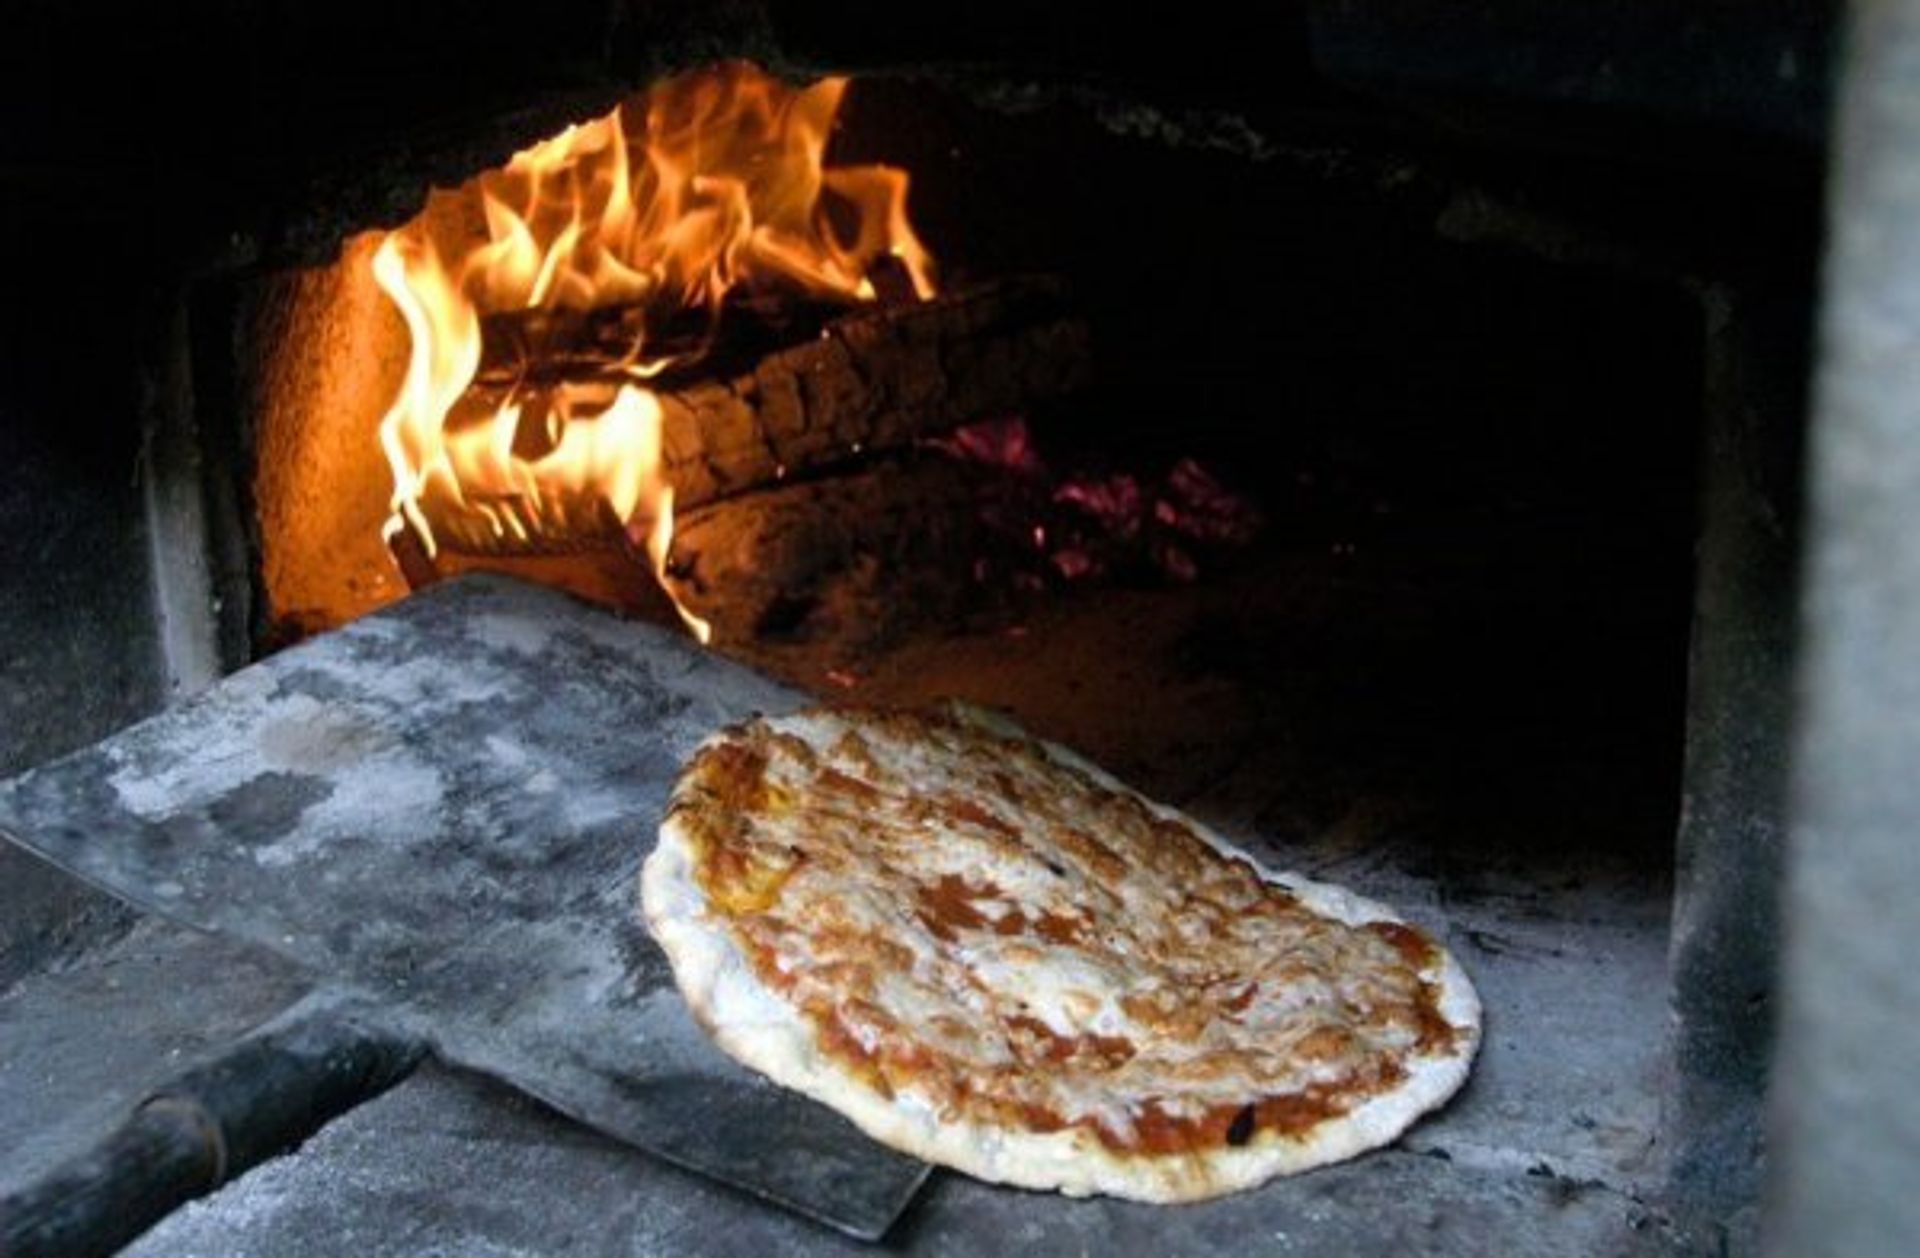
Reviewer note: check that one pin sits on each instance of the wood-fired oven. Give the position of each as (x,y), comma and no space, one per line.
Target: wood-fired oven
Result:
(1378,432)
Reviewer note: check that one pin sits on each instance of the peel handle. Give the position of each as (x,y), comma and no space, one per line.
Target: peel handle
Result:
(264,1095)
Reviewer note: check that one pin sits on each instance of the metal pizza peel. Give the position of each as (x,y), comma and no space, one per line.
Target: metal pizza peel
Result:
(440,812)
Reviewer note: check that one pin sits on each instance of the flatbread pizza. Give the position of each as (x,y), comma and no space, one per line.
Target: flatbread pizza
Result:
(990,954)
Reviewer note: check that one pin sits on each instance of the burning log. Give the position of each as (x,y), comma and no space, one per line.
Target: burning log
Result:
(854,559)
(547,346)
(877,378)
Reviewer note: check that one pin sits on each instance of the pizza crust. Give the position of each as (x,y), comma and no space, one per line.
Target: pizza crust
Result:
(754,1025)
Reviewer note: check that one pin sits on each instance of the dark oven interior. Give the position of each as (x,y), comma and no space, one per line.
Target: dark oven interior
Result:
(1421,511)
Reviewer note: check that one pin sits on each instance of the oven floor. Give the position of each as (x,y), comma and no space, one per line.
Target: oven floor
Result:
(1492,761)
(1550,1150)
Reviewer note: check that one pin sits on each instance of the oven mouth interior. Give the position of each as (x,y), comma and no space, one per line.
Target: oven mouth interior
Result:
(1467,468)
(1449,666)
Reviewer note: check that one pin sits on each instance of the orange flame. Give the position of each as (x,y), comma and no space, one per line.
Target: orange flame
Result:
(710,180)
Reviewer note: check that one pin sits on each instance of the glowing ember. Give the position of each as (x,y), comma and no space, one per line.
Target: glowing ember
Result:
(1002,442)
(1088,524)
(711,181)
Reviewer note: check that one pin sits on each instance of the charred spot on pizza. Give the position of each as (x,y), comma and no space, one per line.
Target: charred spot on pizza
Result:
(736,773)
(1240,1130)
(967,812)
(1239,1003)
(948,906)
(834,780)
(1435,1035)
(1034,1040)
(1061,928)
(1412,944)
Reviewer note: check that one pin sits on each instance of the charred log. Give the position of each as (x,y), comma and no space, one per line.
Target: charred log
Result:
(877,379)
(855,559)
(545,347)
(874,379)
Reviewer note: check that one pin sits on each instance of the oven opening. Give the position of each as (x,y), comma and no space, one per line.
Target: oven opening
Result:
(1317,498)
(1320,447)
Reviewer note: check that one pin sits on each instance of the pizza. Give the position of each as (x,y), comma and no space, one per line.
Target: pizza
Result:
(992,955)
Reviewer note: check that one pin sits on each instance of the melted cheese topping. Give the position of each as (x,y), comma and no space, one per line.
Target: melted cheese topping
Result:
(976,924)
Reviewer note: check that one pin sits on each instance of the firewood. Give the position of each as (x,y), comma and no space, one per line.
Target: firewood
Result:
(410,556)
(540,346)
(876,378)
(855,558)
